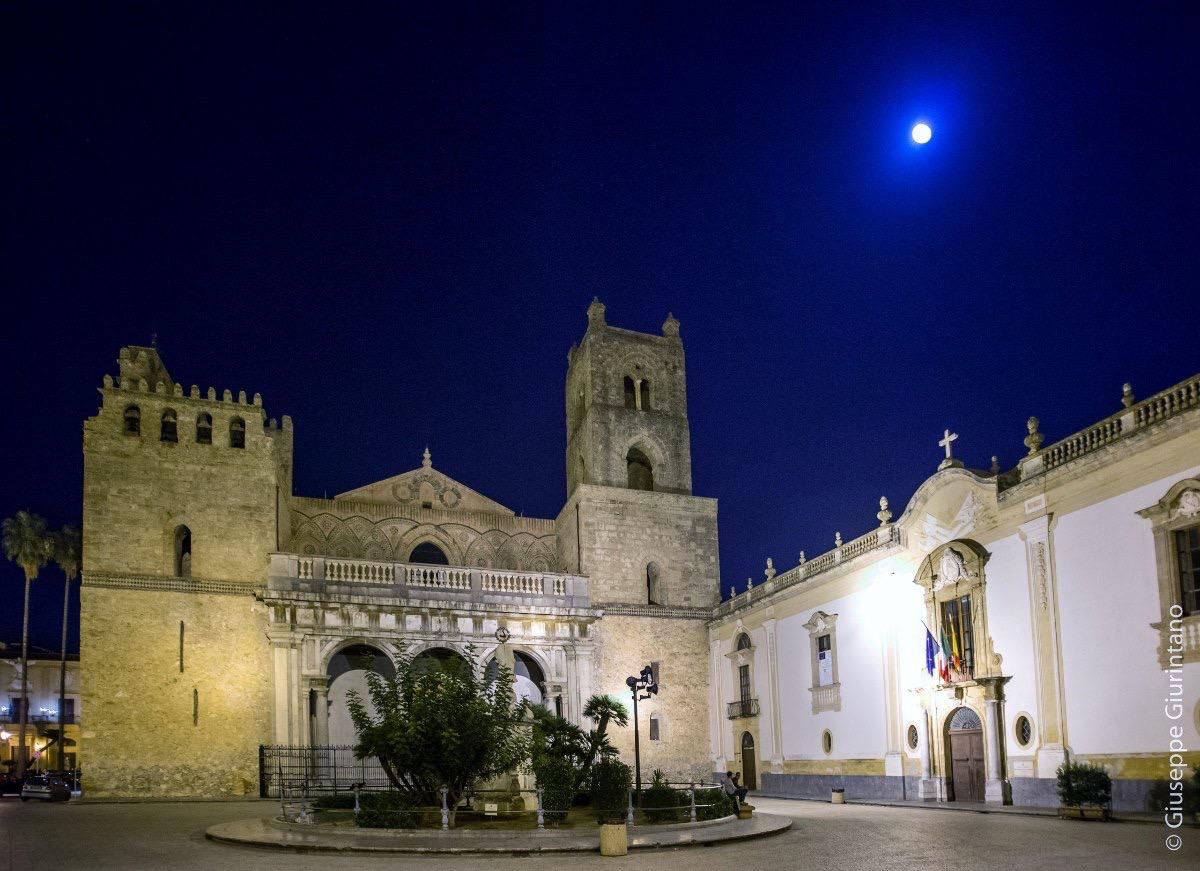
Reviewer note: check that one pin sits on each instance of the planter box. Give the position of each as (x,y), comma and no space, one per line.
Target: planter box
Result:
(745,811)
(1086,812)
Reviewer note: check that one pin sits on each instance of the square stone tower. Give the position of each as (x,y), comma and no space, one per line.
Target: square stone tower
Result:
(632,525)
(184,498)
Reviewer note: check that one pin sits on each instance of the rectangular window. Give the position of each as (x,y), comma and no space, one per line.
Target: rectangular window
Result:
(956,626)
(654,674)
(14,708)
(68,710)
(824,660)
(1187,552)
(744,682)
(654,734)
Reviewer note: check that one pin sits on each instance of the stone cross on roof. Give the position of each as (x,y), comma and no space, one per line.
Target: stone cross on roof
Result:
(946,441)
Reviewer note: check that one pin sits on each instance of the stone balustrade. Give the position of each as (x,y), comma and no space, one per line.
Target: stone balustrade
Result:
(310,573)
(1138,416)
(880,537)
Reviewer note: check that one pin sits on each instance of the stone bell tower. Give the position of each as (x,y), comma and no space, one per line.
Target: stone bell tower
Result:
(632,526)
(626,399)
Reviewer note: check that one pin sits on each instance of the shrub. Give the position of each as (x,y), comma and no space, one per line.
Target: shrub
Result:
(386,810)
(663,804)
(611,779)
(341,801)
(716,803)
(556,779)
(1081,783)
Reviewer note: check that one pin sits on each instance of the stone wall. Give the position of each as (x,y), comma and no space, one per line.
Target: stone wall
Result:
(153,730)
(680,646)
(620,532)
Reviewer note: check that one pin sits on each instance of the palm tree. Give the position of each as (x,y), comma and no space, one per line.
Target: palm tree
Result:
(66,549)
(603,710)
(25,543)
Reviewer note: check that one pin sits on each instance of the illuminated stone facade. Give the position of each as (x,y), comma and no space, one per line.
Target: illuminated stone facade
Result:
(216,603)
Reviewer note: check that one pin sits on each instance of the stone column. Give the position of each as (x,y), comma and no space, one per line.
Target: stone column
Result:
(1047,652)
(927,789)
(716,729)
(320,688)
(893,759)
(773,716)
(281,710)
(997,789)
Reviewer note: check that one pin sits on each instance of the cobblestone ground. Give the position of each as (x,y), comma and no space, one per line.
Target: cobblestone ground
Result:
(171,836)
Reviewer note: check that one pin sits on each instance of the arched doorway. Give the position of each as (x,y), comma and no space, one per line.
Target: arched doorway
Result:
(749,767)
(964,755)
(347,670)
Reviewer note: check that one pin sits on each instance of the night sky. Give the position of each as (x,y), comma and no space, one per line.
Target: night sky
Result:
(390,224)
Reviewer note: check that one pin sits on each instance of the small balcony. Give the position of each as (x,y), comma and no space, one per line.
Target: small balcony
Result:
(740,709)
(304,573)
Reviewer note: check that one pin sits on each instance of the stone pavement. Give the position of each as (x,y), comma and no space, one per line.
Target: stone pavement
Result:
(267,832)
(100,837)
(980,807)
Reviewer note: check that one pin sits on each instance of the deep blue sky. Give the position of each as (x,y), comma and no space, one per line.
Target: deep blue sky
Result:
(390,224)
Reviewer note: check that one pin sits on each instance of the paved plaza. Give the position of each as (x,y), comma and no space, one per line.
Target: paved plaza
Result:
(171,836)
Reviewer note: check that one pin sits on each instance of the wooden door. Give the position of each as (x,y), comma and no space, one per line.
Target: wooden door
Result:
(749,769)
(966,762)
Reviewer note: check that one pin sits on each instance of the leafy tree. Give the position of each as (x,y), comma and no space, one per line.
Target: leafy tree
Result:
(66,549)
(436,727)
(25,543)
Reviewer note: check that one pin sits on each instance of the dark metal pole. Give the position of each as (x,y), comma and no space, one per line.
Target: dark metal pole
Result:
(637,748)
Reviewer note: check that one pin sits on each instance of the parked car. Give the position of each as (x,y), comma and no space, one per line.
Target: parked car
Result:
(47,787)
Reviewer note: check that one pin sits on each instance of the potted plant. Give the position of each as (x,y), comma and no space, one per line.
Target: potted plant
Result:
(611,779)
(1085,791)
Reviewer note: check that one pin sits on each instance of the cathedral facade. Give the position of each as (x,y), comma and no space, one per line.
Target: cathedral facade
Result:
(222,612)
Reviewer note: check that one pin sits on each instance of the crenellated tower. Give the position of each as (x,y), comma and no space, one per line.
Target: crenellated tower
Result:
(185,496)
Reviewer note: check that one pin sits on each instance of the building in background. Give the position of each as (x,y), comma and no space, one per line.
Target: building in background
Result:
(41,748)
(1002,624)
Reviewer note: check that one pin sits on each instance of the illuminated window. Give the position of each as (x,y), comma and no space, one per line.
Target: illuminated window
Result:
(956,627)
(1187,555)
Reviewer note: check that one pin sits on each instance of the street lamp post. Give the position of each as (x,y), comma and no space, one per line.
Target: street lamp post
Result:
(643,683)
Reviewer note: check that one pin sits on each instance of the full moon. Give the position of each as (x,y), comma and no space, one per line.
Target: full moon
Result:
(922,133)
